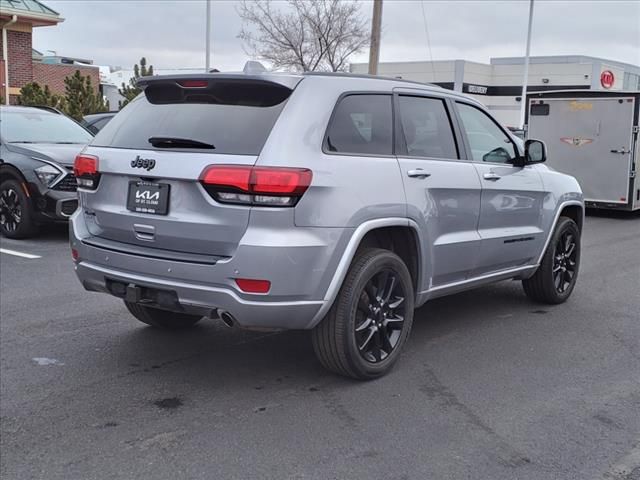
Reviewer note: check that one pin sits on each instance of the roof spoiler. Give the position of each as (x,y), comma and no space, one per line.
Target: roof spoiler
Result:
(215,88)
(288,81)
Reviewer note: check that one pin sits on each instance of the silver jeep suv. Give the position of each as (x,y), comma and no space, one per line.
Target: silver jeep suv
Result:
(334,203)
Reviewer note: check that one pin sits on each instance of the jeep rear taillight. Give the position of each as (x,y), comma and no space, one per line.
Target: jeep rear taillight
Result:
(260,186)
(85,169)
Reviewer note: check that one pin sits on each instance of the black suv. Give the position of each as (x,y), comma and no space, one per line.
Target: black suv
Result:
(37,150)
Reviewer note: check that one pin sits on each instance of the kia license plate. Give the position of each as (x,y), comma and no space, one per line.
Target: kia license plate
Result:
(146,197)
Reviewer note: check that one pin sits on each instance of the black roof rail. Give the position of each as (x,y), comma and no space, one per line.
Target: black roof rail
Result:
(368,77)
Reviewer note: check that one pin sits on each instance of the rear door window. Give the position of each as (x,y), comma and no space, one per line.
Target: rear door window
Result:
(427,128)
(239,125)
(361,124)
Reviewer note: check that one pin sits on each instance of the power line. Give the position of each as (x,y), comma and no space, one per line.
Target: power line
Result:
(426,32)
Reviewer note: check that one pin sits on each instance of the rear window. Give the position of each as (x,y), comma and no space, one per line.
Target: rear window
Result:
(237,125)
(361,124)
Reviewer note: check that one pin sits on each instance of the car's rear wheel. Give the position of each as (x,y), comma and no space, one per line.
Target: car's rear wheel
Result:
(16,211)
(556,276)
(370,320)
(162,318)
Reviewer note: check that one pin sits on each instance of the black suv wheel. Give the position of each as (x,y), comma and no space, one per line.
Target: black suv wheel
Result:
(16,212)
(363,333)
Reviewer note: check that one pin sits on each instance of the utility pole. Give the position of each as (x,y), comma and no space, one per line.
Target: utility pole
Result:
(208,45)
(374,46)
(523,97)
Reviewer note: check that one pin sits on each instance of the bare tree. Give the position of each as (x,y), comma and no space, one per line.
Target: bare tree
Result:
(307,36)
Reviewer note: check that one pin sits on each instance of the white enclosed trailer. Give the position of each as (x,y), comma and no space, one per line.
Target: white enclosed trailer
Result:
(592,135)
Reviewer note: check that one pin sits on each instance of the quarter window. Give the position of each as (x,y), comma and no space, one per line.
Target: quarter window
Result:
(487,141)
(426,127)
(362,124)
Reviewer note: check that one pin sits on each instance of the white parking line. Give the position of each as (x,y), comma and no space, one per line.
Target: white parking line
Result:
(19,254)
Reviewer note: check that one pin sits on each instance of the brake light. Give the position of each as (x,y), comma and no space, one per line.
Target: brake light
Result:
(280,181)
(85,169)
(193,83)
(249,285)
(227,176)
(264,186)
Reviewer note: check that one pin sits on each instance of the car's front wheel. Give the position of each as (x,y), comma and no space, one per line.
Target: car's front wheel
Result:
(370,320)
(556,276)
(162,318)
(16,212)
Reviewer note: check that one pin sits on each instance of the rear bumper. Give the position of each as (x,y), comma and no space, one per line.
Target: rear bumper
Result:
(201,299)
(298,262)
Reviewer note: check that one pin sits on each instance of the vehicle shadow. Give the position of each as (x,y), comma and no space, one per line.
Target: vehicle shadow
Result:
(212,355)
(52,231)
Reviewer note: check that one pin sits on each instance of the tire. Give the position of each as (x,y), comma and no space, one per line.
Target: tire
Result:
(372,350)
(16,211)
(162,318)
(556,276)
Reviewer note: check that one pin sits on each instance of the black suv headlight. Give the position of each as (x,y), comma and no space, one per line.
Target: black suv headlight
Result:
(48,174)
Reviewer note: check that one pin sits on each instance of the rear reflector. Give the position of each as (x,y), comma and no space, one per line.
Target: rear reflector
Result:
(74,254)
(248,285)
(267,186)
(85,169)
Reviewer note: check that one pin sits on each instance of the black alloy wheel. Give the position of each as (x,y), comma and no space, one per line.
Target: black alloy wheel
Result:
(10,210)
(16,213)
(380,316)
(556,276)
(363,333)
(564,261)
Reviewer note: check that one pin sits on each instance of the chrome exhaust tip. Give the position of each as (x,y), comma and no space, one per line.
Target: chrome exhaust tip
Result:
(227,319)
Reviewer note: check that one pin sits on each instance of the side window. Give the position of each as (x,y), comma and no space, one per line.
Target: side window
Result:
(427,128)
(362,124)
(488,142)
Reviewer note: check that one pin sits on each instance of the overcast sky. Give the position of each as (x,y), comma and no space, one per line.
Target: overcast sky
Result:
(171,33)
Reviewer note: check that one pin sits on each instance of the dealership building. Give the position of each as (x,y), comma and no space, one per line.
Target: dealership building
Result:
(498,84)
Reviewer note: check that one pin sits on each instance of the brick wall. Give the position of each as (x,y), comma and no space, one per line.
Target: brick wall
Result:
(20,62)
(53,75)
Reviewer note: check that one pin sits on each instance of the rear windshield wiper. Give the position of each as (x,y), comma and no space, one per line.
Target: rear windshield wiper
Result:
(176,142)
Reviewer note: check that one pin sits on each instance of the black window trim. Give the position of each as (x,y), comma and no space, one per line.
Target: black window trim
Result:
(463,133)
(325,138)
(401,143)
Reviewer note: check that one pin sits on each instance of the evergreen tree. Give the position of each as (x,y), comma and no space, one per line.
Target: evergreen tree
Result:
(33,94)
(81,98)
(131,91)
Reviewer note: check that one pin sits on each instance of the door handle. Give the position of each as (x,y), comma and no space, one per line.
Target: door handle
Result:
(418,173)
(621,151)
(492,176)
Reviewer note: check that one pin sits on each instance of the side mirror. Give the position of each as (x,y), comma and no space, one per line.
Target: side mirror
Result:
(535,151)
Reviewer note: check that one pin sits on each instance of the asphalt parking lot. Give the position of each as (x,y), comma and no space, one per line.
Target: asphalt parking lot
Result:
(491,386)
